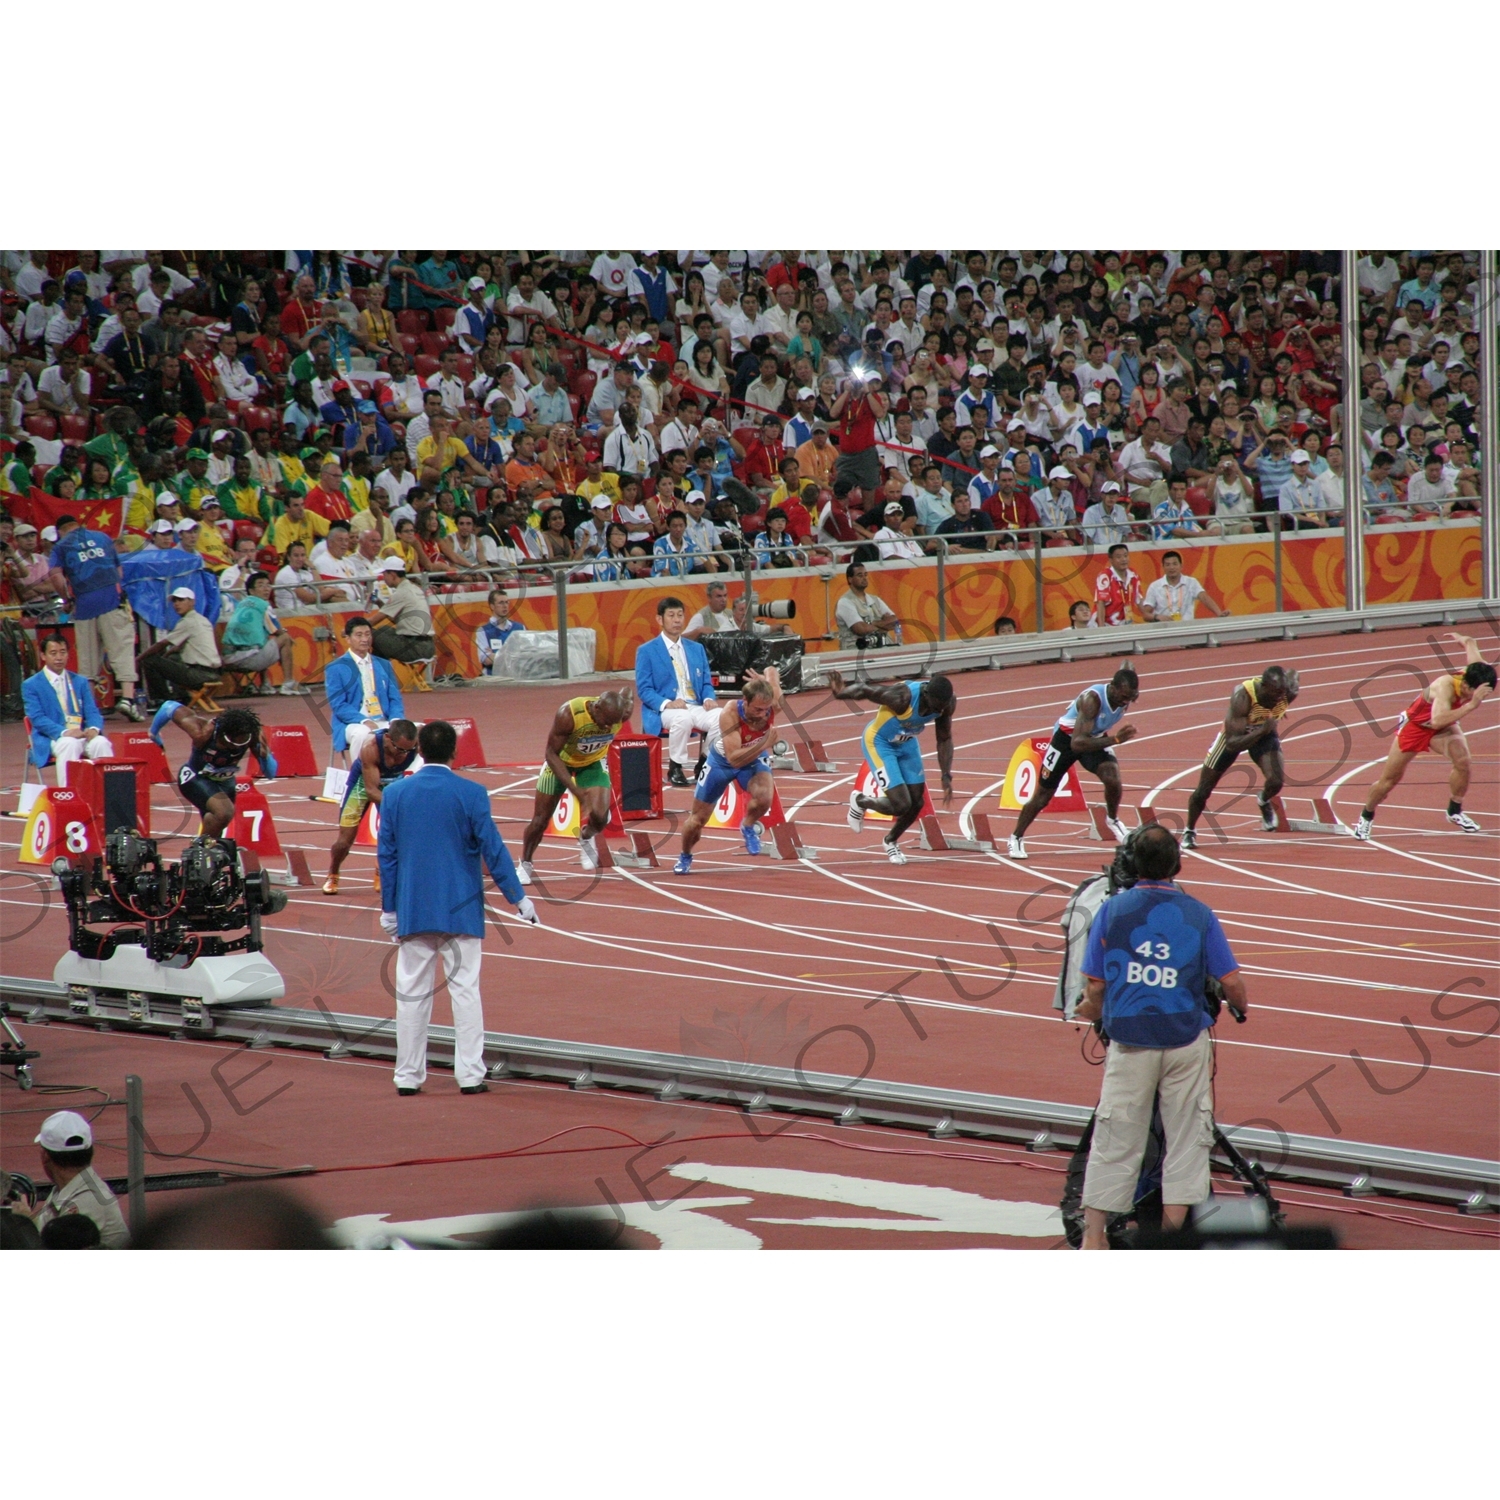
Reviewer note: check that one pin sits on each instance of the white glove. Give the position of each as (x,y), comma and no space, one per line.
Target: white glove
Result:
(388,922)
(526,911)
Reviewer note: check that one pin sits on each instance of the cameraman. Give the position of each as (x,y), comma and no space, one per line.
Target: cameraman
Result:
(1151,950)
(67,1143)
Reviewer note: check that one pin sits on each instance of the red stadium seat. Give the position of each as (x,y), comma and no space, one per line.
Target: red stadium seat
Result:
(42,425)
(434,344)
(411,343)
(426,365)
(577,406)
(582,385)
(256,417)
(75,428)
(413,320)
(357,297)
(466,367)
(1197,499)
(443,317)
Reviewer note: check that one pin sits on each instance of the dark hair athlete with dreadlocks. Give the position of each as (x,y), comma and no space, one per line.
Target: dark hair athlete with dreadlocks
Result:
(220,743)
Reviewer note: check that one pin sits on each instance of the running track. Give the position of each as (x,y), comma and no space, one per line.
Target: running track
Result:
(1372,969)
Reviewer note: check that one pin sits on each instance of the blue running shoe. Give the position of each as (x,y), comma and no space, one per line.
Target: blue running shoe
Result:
(684,864)
(751,833)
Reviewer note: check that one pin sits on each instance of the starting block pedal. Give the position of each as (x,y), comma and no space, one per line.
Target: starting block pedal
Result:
(297,870)
(639,856)
(1098,828)
(930,836)
(786,843)
(1146,814)
(807,756)
(1322,821)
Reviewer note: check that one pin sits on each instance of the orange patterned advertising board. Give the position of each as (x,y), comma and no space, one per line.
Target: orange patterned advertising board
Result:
(1402,563)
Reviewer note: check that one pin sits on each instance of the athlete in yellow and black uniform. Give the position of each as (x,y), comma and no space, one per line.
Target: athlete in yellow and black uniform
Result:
(582,733)
(1256,707)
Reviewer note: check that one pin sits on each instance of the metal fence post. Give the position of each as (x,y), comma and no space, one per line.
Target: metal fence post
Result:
(1036,564)
(747,565)
(1489,424)
(1354,509)
(1276,547)
(135,1153)
(560,583)
(942,589)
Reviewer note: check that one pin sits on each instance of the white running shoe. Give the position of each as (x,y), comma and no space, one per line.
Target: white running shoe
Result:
(1116,827)
(1464,821)
(856,816)
(588,853)
(1016,849)
(1364,828)
(524,872)
(893,851)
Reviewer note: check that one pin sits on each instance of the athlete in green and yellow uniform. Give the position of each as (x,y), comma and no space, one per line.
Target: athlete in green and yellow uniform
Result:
(582,733)
(1256,707)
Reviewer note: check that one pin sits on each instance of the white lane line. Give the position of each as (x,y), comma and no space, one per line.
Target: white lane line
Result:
(966,812)
(817,792)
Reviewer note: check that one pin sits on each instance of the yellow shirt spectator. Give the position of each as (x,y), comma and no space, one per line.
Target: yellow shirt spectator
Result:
(306,530)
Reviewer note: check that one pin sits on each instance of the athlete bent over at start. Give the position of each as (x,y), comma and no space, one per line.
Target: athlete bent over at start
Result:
(1431,723)
(738,753)
(1087,731)
(894,755)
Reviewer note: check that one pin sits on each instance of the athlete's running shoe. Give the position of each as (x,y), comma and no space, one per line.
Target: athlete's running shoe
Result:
(1365,828)
(524,872)
(1189,839)
(588,853)
(684,864)
(1464,821)
(331,886)
(893,851)
(1117,828)
(856,816)
(1267,815)
(751,834)
(1016,849)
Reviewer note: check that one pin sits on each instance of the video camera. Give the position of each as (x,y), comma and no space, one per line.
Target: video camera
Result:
(172,909)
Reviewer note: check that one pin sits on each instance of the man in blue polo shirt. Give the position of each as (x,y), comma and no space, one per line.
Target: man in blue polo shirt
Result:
(1151,949)
(86,571)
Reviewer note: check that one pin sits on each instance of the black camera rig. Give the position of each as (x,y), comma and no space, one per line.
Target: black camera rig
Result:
(173,909)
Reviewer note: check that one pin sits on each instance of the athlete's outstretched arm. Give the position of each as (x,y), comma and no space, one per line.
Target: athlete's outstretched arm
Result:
(1470,645)
(895,696)
(196,726)
(942,727)
(562,727)
(772,678)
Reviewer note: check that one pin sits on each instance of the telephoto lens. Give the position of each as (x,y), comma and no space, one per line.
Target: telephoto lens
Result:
(776,609)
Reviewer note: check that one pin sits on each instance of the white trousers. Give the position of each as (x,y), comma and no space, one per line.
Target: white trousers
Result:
(417,960)
(356,735)
(680,724)
(65,749)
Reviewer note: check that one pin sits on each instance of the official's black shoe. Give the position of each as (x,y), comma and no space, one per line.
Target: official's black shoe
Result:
(476,1088)
(675,776)
(406,1093)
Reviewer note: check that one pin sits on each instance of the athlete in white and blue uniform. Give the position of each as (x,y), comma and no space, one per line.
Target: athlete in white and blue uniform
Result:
(1086,731)
(738,755)
(894,754)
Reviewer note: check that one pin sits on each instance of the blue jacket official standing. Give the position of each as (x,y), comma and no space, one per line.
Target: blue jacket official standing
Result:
(675,686)
(437,836)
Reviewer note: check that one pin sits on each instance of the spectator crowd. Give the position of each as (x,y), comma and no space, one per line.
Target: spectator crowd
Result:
(275,430)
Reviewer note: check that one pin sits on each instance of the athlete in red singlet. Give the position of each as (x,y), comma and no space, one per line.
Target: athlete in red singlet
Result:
(1432,723)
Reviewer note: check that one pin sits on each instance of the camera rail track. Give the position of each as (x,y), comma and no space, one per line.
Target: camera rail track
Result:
(1360,1169)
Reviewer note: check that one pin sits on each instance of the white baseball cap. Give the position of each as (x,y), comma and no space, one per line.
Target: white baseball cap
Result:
(1058,472)
(602,502)
(221,436)
(184,593)
(164,525)
(1093,398)
(978,369)
(475,283)
(1109,487)
(1301,456)
(989,450)
(187,523)
(1014,426)
(392,565)
(807,393)
(65,1131)
(695,497)
(49,533)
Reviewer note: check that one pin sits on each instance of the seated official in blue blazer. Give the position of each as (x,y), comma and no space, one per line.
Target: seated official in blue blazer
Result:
(363,695)
(437,837)
(675,686)
(65,719)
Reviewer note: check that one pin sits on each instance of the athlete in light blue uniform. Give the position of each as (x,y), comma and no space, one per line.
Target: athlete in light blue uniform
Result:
(893,753)
(1086,731)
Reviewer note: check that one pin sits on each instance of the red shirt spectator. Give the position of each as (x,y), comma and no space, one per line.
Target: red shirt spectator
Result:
(332,505)
(1009,513)
(1117,595)
(798,522)
(297,316)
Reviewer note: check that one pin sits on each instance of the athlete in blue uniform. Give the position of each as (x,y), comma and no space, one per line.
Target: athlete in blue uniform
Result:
(207,777)
(1086,731)
(894,754)
(385,757)
(738,753)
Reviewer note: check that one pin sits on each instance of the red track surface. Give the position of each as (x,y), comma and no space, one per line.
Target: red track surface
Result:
(1348,951)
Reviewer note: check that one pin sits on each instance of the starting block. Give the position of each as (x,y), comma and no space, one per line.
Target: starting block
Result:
(1098,828)
(930,835)
(1322,821)
(786,843)
(639,856)
(807,756)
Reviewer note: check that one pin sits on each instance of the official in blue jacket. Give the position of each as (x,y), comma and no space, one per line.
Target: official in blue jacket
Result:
(675,687)
(65,720)
(435,830)
(363,696)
